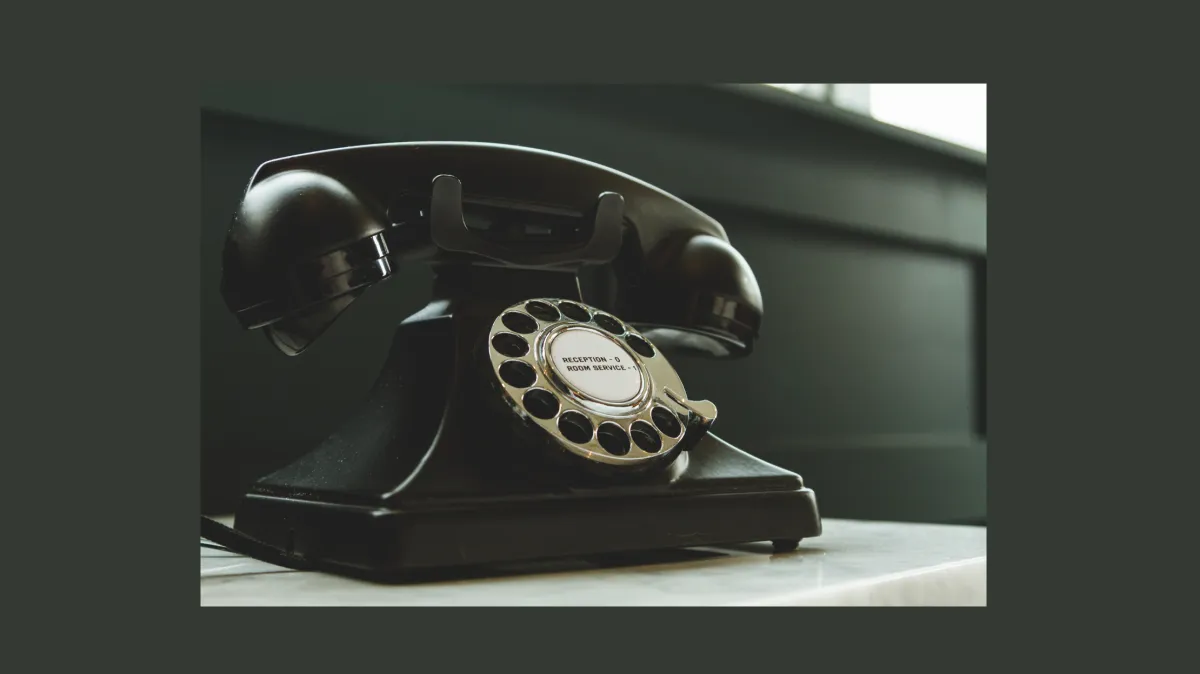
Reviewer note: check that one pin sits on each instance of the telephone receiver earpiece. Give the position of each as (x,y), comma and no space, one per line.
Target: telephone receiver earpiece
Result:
(302,247)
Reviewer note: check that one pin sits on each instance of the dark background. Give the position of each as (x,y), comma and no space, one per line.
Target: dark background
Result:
(870,247)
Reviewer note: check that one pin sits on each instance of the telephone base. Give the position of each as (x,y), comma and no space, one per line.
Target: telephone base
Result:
(423,476)
(390,544)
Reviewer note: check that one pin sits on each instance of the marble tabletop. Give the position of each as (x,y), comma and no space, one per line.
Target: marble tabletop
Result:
(854,563)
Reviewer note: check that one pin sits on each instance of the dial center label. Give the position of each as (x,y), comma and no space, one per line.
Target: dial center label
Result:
(593,363)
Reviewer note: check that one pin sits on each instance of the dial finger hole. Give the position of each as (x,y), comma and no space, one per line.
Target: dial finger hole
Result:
(639,345)
(575,427)
(540,403)
(518,322)
(613,438)
(666,421)
(645,437)
(574,312)
(541,311)
(510,345)
(609,323)
(518,374)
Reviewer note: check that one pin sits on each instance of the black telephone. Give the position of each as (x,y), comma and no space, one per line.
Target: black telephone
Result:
(512,420)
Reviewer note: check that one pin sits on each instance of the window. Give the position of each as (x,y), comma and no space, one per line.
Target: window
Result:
(952,112)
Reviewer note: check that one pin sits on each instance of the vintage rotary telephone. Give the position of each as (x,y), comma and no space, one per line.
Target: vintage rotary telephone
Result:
(514,418)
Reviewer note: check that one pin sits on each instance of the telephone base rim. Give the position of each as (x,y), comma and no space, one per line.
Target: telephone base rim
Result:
(391,545)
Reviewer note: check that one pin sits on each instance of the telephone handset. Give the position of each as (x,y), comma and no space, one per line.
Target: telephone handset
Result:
(512,419)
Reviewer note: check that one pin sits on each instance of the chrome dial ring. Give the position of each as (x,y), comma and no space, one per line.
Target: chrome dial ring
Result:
(598,388)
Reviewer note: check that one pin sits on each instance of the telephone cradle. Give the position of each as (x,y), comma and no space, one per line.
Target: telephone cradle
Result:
(529,410)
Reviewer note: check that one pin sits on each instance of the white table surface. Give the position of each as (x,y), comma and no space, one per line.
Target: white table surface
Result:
(853,563)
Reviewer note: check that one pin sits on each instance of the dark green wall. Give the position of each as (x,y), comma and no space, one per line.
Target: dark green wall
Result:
(867,379)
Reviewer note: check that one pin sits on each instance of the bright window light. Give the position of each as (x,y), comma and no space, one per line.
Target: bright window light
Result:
(810,90)
(952,112)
